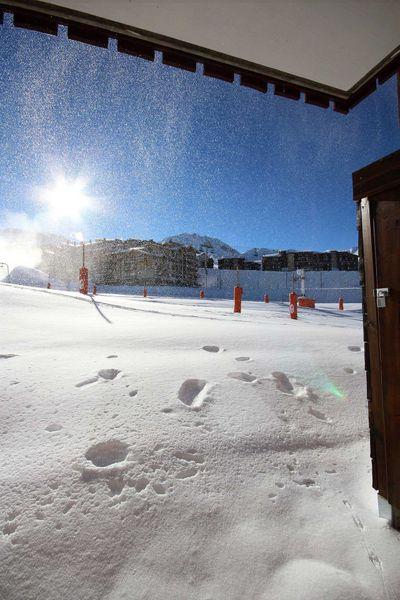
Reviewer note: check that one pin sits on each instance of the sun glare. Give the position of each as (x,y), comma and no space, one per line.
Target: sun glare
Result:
(66,199)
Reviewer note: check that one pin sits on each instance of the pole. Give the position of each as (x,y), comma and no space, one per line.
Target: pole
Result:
(4,264)
(237,299)
(83,274)
(303,282)
(293,305)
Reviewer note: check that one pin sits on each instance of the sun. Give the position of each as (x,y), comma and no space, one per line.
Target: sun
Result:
(66,199)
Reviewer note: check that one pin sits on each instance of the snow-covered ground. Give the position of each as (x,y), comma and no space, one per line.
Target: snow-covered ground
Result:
(165,449)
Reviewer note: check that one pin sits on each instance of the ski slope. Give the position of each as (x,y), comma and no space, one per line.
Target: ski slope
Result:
(167,449)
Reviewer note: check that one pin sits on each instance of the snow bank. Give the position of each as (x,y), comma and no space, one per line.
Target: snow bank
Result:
(172,450)
(32,277)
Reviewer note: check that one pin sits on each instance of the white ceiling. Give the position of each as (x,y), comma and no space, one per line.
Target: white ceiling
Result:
(331,42)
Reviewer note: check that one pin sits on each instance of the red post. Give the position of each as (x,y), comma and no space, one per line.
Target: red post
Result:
(94,289)
(145,292)
(84,280)
(341,303)
(201,294)
(237,299)
(266,298)
(293,305)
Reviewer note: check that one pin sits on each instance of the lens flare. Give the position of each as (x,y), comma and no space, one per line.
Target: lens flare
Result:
(332,389)
(66,199)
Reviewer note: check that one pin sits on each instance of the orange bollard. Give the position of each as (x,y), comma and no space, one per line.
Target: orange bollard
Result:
(94,289)
(266,298)
(341,303)
(49,285)
(237,299)
(293,305)
(201,294)
(84,280)
(144,292)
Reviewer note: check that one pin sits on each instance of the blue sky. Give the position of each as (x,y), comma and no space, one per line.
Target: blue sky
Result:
(164,151)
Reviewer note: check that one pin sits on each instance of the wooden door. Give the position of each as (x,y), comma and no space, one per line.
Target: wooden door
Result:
(377,192)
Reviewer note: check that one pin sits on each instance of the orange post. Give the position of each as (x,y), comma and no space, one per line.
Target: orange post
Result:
(201,294)
(145,292)
(293,305)
(237,299)
(94,289)
(266,298)
(341,303)
(84,280)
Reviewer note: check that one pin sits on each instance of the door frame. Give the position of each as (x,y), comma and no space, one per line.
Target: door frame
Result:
(368,185)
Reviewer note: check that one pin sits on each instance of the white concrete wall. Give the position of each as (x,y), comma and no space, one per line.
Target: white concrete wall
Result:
(324,286)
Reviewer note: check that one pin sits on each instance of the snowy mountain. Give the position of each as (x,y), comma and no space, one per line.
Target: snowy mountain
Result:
(258,253)
(203,243)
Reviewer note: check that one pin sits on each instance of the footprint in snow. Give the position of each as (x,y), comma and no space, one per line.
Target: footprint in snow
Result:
(191,460)
(86,382)
(10,528)
(211,348)
(306,481)
(242,358)
(8,355)
(242,376)
(193,392)
(354,348)
(189,456)
(282,382)
(318,414)
(53,427)
(107,453)
(349,370)
(112,356)
(133,393)
(109,374)
(158,488)
(187,472)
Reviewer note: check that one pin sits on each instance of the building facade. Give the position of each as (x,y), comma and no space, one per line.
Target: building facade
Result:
(236,262)
(124,262)
(204,261)
(334,260)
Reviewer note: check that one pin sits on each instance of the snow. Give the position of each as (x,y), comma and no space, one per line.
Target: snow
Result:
(258,253)
(167,449)
(30,276)
(203,243)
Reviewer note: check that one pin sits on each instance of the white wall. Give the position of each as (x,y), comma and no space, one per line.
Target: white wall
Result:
(332,42)
(324,286)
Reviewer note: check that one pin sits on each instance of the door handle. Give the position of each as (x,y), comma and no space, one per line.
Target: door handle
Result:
(381,294)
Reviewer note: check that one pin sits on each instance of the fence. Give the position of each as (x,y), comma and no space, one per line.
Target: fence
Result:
(324,286)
